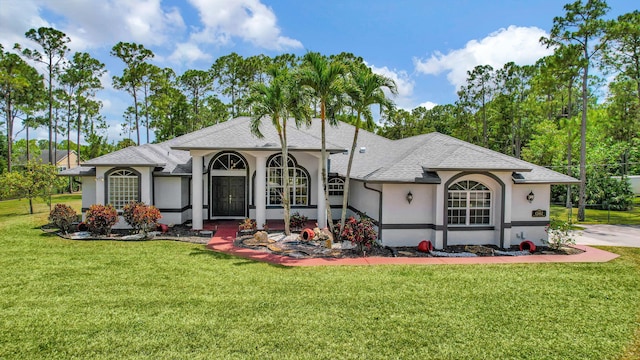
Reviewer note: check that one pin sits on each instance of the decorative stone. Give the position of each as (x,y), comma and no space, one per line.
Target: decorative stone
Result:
(327,235)
(406,253)
(274,247)
(261,236)
(479,249)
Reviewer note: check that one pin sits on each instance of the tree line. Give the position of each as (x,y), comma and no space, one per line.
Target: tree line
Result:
(586,93)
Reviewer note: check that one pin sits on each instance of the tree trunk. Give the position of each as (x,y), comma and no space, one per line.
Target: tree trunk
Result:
(583,144)
(569,204)
(50,110)
(286,198)
(135,110)
(345,194)
(323,153)
(9,131)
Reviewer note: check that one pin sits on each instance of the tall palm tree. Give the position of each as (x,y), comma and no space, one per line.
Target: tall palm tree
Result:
(278,100)
(325,79)
(364,89)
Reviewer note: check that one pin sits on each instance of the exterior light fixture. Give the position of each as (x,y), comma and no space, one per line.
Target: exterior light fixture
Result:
(409,197)
(530,196)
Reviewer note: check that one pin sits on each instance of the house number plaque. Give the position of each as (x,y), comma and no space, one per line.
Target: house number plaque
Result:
(539,213)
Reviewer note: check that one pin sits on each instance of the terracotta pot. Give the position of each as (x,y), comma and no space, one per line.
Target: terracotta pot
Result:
(425,246)
(528,245)
(308,234)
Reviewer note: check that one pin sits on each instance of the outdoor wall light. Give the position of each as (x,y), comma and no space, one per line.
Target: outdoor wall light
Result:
(100,178)
(531,196)
(409,197)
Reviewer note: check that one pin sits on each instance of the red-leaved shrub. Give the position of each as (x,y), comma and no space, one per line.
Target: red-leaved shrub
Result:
(141,217)
(360,232)
(63,216)
(101,218)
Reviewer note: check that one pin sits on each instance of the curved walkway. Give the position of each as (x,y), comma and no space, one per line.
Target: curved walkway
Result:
(225,235)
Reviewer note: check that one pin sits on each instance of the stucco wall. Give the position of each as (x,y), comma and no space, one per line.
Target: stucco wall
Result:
(365,200)
(531,228)
(169,193)
(404,223)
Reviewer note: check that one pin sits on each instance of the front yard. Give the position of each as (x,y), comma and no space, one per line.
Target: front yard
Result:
(159,299)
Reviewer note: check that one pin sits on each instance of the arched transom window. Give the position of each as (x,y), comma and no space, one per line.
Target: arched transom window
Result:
(228,161)
(336,186)
(298,182)
(469,203)
(123,187)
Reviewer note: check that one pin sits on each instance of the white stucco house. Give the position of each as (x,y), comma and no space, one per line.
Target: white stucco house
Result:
(430,186)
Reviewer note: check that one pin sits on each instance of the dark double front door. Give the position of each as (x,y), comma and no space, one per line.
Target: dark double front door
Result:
(228,195)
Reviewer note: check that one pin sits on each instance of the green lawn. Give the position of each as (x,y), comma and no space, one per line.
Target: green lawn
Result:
(162,299)
(592,216)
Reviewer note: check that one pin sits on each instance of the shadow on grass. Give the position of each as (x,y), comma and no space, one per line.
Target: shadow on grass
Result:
(223,256)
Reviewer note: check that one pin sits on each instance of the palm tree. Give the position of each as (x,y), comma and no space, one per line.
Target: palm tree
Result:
(324,78)
(278,100)
(364,89)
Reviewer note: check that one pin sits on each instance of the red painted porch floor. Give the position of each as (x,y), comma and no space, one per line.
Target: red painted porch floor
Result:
(222,241)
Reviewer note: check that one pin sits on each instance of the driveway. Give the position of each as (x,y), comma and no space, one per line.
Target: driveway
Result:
(609,235)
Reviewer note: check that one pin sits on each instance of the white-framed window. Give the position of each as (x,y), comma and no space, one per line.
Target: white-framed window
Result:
(336,186)
(228,161)
(123,187)
(298,182)
(469,203)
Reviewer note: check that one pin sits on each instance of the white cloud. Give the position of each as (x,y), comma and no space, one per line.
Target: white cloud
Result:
(405,85)
(93,24)
(188,53)
(428,105)
(249,20)
(518,44)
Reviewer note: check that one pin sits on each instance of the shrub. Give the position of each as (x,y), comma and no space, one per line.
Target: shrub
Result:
(141,217)
(247,224)
(360,232)
(297,221)
(100,219)
(63,216)
(560,234)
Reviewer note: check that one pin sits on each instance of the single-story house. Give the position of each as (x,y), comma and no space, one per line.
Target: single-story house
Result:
(430,186)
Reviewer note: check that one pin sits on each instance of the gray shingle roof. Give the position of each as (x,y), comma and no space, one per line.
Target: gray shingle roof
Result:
(381,159)
(236,134)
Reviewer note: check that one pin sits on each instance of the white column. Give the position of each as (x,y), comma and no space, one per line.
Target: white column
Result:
(322,208)
(439,211)
(260,192)
(196,192)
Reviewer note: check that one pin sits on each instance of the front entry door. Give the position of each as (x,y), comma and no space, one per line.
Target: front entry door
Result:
(228,195)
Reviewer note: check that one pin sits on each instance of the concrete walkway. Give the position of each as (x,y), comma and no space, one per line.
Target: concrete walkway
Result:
(225,235)
(609,235)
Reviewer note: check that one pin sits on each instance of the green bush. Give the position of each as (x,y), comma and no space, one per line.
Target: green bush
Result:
(101,218)
(560,234)
(63,216)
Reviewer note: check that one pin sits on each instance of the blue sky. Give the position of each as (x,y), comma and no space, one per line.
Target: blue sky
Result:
(426,46)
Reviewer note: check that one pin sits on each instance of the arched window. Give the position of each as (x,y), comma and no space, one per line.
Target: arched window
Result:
(298,182)
(469,203)
(123,187)
(336,186)
(228,161)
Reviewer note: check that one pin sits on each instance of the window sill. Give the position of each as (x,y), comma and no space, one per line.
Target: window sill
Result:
(471,228)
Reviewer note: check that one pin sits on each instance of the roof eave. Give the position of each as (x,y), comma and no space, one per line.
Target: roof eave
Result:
(477,169)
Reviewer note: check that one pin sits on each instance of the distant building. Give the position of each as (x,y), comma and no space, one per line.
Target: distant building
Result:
(61,159)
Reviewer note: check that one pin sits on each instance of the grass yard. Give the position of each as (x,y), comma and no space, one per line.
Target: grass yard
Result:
(631,217)
(161,299)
